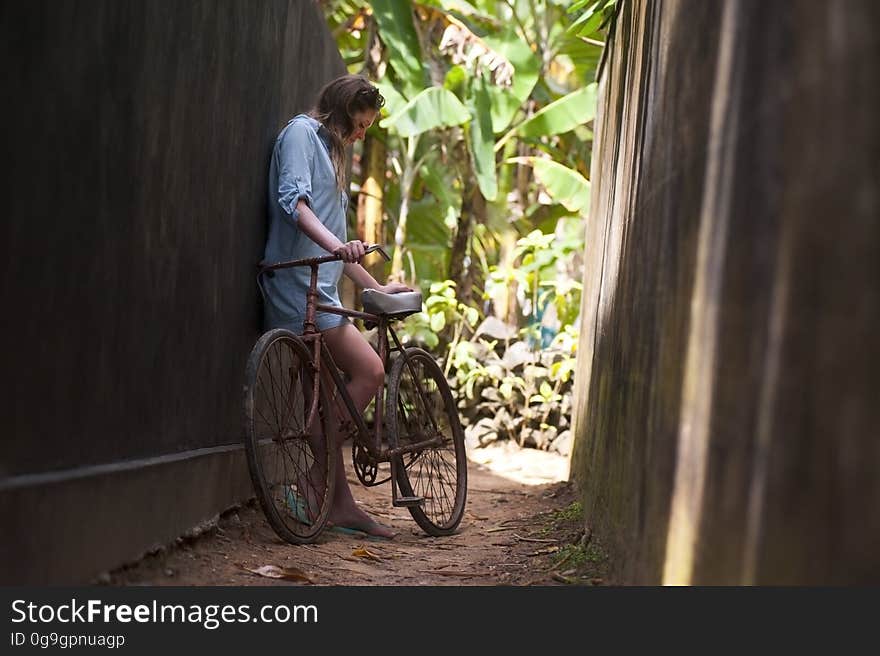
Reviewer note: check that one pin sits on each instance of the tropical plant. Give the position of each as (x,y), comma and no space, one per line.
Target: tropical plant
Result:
(486,141)
(474,89)
(507,390)
(443,317)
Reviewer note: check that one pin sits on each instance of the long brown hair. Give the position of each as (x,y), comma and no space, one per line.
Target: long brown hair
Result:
(337,104)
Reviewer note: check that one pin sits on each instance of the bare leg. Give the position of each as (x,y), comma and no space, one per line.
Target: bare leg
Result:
(354,355)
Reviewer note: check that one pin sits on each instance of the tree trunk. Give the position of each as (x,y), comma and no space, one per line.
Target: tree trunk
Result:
(461,264)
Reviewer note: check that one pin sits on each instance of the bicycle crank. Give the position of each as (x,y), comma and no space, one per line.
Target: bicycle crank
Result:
(366,468)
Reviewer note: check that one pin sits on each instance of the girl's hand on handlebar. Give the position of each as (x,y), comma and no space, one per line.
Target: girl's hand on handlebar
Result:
(395,288)
(352,251)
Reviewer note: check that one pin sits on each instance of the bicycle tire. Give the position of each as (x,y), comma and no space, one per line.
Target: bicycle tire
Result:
(286,463)
(439,474)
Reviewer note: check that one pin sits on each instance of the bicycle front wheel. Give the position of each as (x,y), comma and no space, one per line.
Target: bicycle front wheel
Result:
(290,463)
(420,407)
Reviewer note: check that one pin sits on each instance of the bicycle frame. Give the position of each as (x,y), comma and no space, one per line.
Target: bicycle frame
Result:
(314,340)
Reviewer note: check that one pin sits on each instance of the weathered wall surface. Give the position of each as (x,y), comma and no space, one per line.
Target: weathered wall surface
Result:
(727,410)
(137,144)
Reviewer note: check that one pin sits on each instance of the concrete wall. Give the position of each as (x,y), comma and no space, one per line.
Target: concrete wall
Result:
(138,136)
(727,416)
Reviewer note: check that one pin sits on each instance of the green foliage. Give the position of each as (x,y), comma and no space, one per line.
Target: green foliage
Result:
(543,272)
(444,193)
(571,513)
(566,186)
(442,322)
(445,309)
(515,388)
(394,100)
(488,135)
(509,73)
(399,35)
(578,555)
(593,16)
(482,141)
(574,555)
(456,80)
(430,109)
(345,18)
(416,329)
(561,115)
(509,390)
(507,101)
(572,516)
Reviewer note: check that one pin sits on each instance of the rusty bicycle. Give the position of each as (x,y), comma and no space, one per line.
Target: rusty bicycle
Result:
(415,441)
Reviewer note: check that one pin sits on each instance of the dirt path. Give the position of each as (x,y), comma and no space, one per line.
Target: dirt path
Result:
(512,534)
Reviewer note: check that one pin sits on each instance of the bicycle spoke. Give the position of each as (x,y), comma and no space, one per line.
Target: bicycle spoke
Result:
(274,387)
(424,412)
(289,420)
(283,386)
(265,421)
(434,491)
(290,468)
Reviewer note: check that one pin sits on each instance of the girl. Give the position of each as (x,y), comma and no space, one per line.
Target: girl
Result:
(307,208)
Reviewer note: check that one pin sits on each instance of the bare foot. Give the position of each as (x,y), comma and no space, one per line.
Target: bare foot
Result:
(359,520)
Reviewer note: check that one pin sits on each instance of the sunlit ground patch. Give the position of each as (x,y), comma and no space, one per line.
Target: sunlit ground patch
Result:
(523,465)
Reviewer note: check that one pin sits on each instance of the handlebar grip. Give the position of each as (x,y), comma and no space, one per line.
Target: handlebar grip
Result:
(267,269)
(373,248)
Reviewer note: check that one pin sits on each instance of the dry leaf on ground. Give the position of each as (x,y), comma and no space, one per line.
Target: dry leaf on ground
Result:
(363,552)
(275,572)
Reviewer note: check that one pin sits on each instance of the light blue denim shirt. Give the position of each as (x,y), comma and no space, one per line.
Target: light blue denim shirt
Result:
(301,169)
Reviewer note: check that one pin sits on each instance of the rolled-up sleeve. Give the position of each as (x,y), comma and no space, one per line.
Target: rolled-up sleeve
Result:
(296,151)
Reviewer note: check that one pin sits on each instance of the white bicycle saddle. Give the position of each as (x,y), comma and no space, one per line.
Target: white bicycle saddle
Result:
(392,305)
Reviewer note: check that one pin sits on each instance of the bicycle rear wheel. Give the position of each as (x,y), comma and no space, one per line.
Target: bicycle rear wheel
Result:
(291,467)
(419,407)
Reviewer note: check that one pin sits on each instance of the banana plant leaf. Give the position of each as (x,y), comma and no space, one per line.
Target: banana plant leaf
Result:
(583,56)
(394,101)
(427,262)
(506,102)
(398,32)
(444,187)
(563,115)
(591,19)
(426,224)
(432,108)
(565,186)
(482,140)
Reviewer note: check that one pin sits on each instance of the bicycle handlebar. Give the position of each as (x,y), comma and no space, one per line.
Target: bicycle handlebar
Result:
(372,248)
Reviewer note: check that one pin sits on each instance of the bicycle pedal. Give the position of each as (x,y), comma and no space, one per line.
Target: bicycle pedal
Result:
(406,502)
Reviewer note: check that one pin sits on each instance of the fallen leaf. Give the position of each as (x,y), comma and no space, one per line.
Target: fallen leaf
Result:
(275,572)
(363,552)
